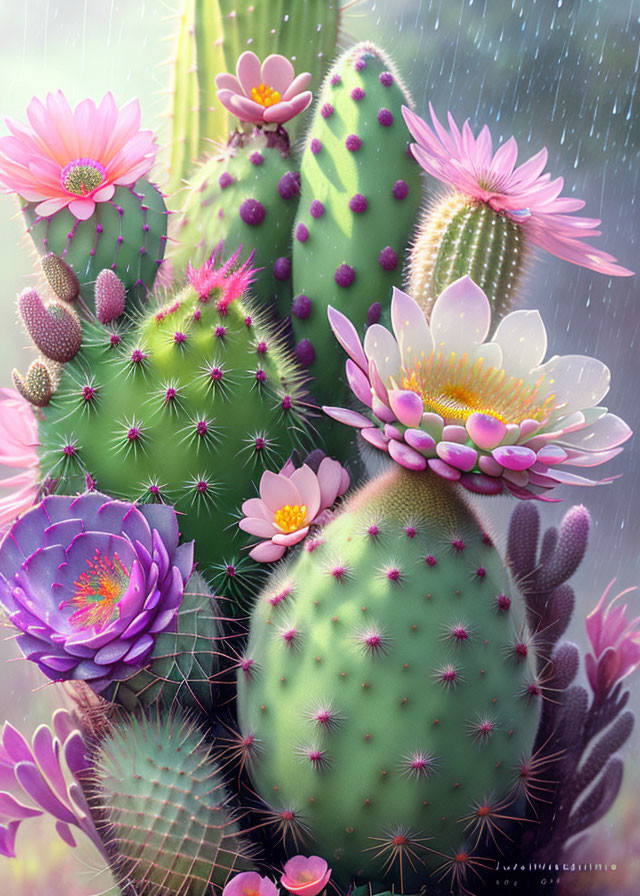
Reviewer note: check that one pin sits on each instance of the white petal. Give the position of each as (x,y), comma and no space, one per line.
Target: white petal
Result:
(490,353)
(411,328)
(578,380)
(381,347)
(523,339)
(461,317)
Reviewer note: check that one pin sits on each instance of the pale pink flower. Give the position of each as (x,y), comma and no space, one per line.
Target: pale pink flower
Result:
(18,443)
(524,194)
(615,641)
(249,883)
(290,502)
(74,158)
(305,876)
(264,92)
(490,414)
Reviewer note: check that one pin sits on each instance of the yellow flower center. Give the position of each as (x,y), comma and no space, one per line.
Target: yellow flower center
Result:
(98,592)
(455,388)
(264,95)
(305,877)
(291,517)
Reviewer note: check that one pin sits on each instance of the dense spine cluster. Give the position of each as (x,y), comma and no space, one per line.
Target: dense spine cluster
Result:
(390,687)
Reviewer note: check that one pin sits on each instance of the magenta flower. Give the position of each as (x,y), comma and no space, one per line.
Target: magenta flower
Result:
(44,778)
(305,876)
(18,443)
(290,502)
(490,415)
(249,883)
(264,92)
(615,641)
(524,194)
(74,158)
(230,278)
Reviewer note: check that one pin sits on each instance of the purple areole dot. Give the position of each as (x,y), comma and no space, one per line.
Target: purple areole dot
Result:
(99,228)
(388,260)
(88,393)
(197,314)
(282,268)
(261,348)
(410,531)
(400,189)
(231,571)
(248,321)
(386,79)
(302,233)
(305,353)
(358,204)
(154,490)
(145,228)
(225,180)
(92,252)
(360,64)
(256,158)
(358,94)
(202,428)
(179,337)
(286,403)
(345,275)
(316,209)
(374,313)
(289,185)
(301,307)
(261,376)
(134,434)
(137,357)
(393,574)
(503,602)
(373,531)
(120,240)
(170,394)
(216,374)
(261,443)
(431,560)
(114,339)
(481,572)
(385,118)
(221,332)
(316,146)
(335,80)
(202,485)
(353,142)
(252,212)
(327,110)
(69,450)
(120,211)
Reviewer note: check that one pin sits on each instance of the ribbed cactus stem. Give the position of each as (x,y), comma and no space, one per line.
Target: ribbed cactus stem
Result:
(457,237)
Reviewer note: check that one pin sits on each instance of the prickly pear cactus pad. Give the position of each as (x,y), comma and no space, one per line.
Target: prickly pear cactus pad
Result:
(389,685)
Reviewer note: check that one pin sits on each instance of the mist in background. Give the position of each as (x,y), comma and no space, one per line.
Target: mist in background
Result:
(560,73)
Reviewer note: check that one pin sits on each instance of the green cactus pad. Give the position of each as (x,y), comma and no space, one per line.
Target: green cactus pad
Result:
(457,237)
(188,405)
(388,682)
(247,196)
(127,234)
(360,196)
(165,809)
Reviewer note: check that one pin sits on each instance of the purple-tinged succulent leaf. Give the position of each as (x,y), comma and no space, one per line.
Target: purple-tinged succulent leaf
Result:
(599,800)
(524,531)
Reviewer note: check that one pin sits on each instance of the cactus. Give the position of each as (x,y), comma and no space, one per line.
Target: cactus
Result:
(389,686)
(246,196)
(165,809)
(210,37)
(458,236)
(54,328)
(38,386)
(360,194)
(186,405)
(127,234)
(183,662)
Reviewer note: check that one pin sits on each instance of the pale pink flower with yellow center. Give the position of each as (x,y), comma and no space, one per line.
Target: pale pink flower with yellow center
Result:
(264,92)
(249,883)
(18,443)
(524,194)
(615,641)
(74,158)
(290,502)
(305,876)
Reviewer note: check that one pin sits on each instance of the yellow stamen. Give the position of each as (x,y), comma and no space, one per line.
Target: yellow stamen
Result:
(455,388)
(291,517)
(264,95)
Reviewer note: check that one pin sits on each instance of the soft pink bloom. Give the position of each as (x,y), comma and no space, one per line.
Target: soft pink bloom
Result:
(524,194)
(290,502)
(249,883)
(615,641)
(232,279)
(305,876)
(74,158)
(18,443)
(489,414)
(264,92)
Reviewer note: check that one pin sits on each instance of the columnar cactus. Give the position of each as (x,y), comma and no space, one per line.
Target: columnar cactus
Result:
(360,194)
(389,686)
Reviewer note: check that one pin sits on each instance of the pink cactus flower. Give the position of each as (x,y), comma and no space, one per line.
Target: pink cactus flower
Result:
(491,415)
(249,883)
(74,158)
(525,195)
(290,502)
(265,92)
(305,876)
(18,443)
(615,641)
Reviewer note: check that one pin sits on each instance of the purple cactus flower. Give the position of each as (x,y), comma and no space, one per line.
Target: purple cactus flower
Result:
(615,640)
(90,582)
(44,778)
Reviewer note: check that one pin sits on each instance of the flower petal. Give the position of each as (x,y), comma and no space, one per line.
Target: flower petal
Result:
(461,317)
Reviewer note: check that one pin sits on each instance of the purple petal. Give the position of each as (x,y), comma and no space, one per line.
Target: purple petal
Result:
(455,433)
(419,440)
(349,418)
(486,432)
(515,457)
(406,456)
(462,457)
(407,406)
(139,651)
(481,485)
(442,469)
(35,786)
(358,383)
(374,437)
(347,336)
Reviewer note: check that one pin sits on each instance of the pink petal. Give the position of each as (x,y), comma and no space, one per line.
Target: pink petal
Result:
(258,527)
(82,209)
(439,467)
(298,85)
(284,111)
(288,539)
(306,481)
(245,109)
(277,72)
(349,418)
(485,431)
(405,456)
(248,70)
(347,336)
(277,491)
(407,406)
(267,552)
(330,480)
(225,81)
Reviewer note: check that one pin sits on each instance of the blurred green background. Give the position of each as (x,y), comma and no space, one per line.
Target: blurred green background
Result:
(561,73)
